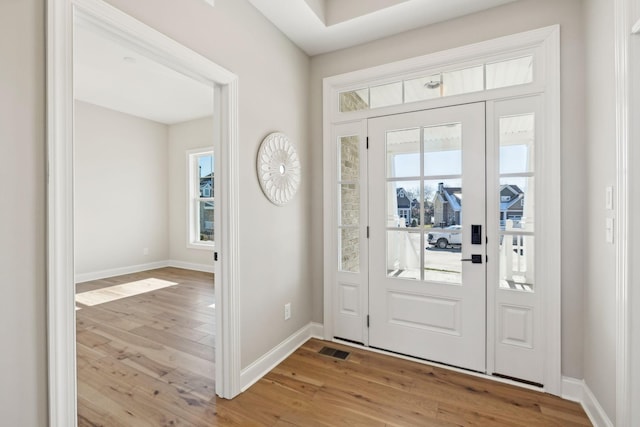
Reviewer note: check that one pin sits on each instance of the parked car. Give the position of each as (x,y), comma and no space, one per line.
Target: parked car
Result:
(449,236)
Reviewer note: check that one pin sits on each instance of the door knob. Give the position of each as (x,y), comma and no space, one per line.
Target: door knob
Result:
(475,259)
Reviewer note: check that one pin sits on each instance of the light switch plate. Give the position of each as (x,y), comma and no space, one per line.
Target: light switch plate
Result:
(608,230)
(608,204)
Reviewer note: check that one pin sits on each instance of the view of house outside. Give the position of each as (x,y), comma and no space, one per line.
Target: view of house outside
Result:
(443,204)
(206,199)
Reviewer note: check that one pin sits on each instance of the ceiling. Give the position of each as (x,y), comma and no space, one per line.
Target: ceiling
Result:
(320,26)
(111,75)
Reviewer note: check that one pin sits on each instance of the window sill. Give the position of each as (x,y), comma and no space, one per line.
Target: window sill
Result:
(202,246)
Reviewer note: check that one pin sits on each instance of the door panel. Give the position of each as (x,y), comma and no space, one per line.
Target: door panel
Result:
(424,300)
(350,218)
(517,322)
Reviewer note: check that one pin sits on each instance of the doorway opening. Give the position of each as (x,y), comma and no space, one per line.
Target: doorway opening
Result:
(116,25)
(144,220)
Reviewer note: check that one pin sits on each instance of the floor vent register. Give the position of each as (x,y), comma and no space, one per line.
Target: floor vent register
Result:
(334,352)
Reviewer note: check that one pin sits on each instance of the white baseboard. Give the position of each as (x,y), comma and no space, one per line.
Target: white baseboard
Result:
(96,275)
(191,265)
(317,330)
(578,391)
(112,272)
(252,373)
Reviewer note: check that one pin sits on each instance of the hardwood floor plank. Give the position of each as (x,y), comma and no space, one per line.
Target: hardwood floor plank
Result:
(177,342)
(164,356)
(200,386)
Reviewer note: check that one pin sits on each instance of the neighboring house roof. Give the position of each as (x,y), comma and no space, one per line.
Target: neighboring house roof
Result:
(206,182)
(505,206)
(403,200)
(516,197)
(452,195)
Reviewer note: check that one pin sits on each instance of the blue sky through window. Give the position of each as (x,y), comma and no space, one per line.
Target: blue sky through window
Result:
(205,164)
(513,159)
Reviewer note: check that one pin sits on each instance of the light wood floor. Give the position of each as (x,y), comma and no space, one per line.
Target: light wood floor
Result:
(147,360)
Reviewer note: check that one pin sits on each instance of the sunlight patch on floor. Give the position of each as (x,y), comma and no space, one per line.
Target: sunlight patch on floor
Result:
(116,292)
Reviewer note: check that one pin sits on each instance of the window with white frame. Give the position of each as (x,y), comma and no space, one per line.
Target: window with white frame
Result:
(201,198)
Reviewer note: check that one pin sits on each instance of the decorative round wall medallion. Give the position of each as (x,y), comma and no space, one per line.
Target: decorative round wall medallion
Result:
(278,168)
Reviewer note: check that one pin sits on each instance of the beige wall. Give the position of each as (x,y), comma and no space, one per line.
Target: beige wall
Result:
(183,137)
(121,198)
(600,286)
(23,359)
(509,19)
(273,87)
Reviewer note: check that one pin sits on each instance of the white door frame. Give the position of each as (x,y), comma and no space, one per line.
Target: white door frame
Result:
(60,245)
(546,43)
(627,64)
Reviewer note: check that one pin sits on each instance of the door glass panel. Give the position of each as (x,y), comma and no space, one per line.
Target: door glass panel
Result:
(442,259)
(517,144)
(516,198)
(403,254)
(403,204)
(466,80)
(443,232)
(385,95)
(516,262)
(350,249)
(349,203)
(517,204)
(443,149)
(443,237)
(510,72)
(403,153)
(433,189)
(349,158)
(431,207)
(354,100)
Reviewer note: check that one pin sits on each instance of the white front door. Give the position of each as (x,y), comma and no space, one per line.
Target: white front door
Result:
(427,247)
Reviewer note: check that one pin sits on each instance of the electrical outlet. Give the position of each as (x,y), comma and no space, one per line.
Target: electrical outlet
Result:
(145,251)
(287,311)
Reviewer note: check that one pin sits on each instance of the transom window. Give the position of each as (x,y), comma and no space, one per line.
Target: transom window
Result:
(476,78)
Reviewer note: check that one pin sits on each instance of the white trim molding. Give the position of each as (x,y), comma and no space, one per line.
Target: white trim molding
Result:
(102,17)
(577,391)
(623,30)
(138,268)
(61,333)
(205,268)
(258,369)
(130,269)
(119,271)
